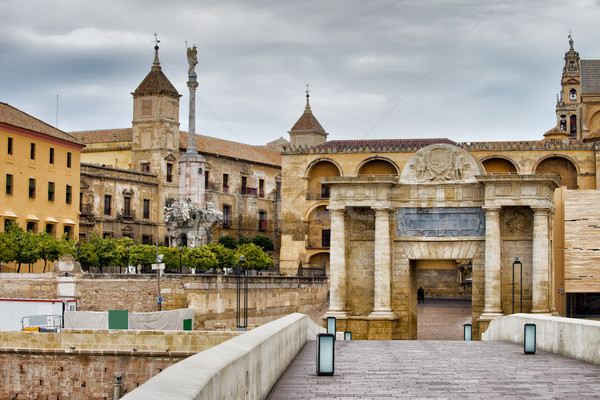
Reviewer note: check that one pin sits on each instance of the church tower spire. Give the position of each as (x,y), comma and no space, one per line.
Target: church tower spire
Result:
(568,107)
(307,131)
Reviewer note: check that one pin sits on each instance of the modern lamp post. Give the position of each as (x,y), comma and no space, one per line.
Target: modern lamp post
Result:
(520,282)
(242,295)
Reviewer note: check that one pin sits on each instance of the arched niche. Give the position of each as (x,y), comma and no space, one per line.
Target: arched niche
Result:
(561,166)
(499,165)
(319,228)
(319,260)
(320,169)
(378,166)
(594,122)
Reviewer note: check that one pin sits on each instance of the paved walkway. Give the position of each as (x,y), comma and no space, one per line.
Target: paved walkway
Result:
(442,319)
(438,370)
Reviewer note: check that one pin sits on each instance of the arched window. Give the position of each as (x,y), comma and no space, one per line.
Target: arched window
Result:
(573,124)
(559,166)
(496,165)
(321,169)
(378,167)
(573,94)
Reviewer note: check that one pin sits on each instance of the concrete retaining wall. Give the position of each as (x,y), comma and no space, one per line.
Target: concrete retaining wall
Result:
(570,337)
(245,367)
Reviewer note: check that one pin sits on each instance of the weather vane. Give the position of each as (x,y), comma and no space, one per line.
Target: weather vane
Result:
(156,41)
(307,91)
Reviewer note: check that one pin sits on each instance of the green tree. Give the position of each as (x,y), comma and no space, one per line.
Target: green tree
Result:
(21,246)
(264,242)
(9,247)
(124,245)
(201,258)
(144,254)
(228,241)
(225,256)
(49,248)
(244,240)
(88,257)
(171,256)
(99,252)
(254,256)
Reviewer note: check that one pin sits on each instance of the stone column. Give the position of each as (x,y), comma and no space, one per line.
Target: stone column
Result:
(540,269)
(383,265)
(337,264)
(493,273)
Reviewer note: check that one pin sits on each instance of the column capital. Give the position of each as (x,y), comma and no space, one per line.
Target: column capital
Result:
(492,209)
(336,208)
(541,210)
(383,208)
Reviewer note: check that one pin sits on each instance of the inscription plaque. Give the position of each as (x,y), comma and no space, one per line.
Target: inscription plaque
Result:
(440,222)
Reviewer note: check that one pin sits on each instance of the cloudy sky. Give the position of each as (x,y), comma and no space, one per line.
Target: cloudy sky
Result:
(467,70)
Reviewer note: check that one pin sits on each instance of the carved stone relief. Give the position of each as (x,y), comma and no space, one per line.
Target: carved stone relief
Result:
(440,163)
(362,223)
(440,222)
(517,222)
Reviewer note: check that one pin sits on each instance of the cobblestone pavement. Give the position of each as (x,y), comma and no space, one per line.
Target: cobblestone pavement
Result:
(438,370)
(442,319)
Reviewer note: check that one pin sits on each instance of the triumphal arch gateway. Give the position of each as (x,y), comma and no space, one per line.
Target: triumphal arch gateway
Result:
(443,206)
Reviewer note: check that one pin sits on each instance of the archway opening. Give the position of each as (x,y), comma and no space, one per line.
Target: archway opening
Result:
(498,165)
(317,190)
(446,307)
(562,167)
(377,167)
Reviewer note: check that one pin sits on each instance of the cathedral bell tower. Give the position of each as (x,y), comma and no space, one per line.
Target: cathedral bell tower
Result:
(307,131)
(568,105)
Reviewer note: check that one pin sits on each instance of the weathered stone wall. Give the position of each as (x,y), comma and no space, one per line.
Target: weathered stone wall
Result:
(213,297)
(78,374)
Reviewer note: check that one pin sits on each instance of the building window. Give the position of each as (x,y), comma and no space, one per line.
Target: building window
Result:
(10,146)
(32,151)
(127,206)
(106,235)
(31,227)
(324,191)
(573,123)
(146,208)
(226,215)
(325,237)
(50,229)
(80,201)
(206,175)
(225,183)
(169,172)
(146,239)
(572,65)
(31,188)
(68,159)
(261,188)
(69,194)
(278,190)
(145,167)
(68,232)
(9,184)
(262,220)
(50,191)
(51,155)
(107,204)
(244,184)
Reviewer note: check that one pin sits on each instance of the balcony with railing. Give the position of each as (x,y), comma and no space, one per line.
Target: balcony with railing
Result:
(87,209)
(127,213)
(250,191)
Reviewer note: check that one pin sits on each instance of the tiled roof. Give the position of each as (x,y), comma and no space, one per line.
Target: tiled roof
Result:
(104,135)
(156,82)
(205,145)
(308,122)
(590,76)
(380,144)
(12,116)
(556,131)
(213,146)
(593,135)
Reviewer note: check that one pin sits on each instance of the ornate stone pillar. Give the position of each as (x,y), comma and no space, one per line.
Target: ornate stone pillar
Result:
(337,264)
(493,272)
(540,269)
(383,263)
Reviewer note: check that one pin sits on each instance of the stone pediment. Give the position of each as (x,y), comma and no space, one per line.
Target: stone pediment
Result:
(440,163)
(170,157)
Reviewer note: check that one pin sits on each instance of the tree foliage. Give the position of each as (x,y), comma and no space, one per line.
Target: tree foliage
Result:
(225,256)
(264,242)
(254,256)
(201,258)
(228,241)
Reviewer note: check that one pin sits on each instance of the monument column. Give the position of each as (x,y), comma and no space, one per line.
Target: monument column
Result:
(540,271)
(337,263)
(493,272)
(382,304)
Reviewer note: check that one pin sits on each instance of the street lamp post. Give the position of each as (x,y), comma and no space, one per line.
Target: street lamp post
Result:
(242,270)
(520,282)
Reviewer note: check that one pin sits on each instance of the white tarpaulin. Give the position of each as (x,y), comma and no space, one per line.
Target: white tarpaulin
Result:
(86,320)
(161,320)
(149,321)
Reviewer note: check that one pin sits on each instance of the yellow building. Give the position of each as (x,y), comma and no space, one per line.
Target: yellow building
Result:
(40,174)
